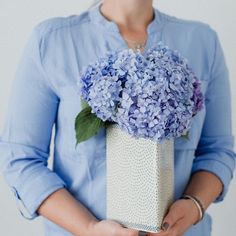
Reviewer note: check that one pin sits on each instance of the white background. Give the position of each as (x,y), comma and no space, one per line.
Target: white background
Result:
(17,18)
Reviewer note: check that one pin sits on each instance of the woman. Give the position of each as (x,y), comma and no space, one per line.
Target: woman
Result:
(71,197)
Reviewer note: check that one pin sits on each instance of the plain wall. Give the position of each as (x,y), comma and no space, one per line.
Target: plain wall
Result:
(17,18)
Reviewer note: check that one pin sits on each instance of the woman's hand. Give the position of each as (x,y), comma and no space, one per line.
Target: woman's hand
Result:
(110,228)
(182,214)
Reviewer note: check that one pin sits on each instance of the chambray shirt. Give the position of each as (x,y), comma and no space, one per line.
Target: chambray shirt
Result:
(44,93)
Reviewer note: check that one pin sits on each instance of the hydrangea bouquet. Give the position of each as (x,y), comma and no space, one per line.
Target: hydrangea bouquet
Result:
(151,96)
(151,99)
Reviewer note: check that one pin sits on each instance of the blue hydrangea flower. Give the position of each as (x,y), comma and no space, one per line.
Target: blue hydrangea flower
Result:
(151,96)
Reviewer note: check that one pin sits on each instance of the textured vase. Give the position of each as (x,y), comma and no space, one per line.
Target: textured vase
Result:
(139,179)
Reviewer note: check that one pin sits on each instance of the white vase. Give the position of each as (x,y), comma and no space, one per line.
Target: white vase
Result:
(139,179)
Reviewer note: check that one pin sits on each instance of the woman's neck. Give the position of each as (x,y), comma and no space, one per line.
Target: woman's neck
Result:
(133,14)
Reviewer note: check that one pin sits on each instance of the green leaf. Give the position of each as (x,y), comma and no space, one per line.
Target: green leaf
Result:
(87,124)
(84,103)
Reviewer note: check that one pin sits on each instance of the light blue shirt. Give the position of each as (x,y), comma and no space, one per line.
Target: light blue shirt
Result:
(44,93)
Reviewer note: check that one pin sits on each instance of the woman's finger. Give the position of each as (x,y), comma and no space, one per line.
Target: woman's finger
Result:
(179,227)
(174,214)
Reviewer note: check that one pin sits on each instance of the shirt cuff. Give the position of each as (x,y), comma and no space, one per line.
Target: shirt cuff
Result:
(30,197)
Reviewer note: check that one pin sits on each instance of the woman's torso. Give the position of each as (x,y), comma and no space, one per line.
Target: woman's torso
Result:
(71,43)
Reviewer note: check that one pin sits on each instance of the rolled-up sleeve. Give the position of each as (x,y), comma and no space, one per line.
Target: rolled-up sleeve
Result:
(215,151)
(26,134)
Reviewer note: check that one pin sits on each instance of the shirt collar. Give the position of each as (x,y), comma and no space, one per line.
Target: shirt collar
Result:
(97,17)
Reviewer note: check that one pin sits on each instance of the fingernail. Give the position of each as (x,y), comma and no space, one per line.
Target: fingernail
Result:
(165,226)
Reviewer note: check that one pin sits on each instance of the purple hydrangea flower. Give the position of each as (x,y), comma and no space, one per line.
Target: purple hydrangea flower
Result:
(151,96)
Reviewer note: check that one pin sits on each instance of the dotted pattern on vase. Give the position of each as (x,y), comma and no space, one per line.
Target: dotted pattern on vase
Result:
(139,179)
